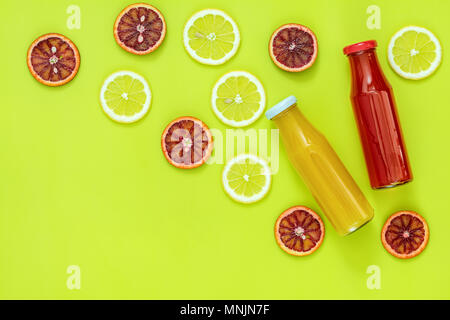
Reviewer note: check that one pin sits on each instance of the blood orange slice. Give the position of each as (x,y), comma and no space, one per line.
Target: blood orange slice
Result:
(299,231)
(187,142)
(53,59)
(140,28)
(293,47)
(405,234)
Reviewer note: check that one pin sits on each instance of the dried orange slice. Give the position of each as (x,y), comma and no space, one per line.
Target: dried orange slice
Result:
(140,28)
(299,231)
(293,47)
(53,59)
(405,234)
(187,142)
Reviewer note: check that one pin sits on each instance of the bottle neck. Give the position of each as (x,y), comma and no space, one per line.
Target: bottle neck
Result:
(286,113)
(290,116)
(366,71)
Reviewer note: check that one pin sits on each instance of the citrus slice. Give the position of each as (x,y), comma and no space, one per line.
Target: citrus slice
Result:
(293,47)
(405,234)
(238,98)
(246,178)
(186,142)
(53,59)
(140,28)
(125,97)
(211,37)
(299,231)
(414,52)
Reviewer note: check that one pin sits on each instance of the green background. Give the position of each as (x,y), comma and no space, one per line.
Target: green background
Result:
(78,189)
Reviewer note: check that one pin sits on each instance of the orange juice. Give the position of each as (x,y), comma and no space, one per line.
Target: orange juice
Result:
(324,174)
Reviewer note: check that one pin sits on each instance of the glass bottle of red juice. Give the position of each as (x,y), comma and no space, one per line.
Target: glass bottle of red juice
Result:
(377,118)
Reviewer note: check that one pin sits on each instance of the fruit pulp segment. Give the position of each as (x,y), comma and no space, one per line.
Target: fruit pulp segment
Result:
(211,36)
(405,234)
(186,142)
(53,59)
(246,178)
(414,51)
(293,47)
(140,28)
(238,98)
(125,95)
(317,163)
(300,231)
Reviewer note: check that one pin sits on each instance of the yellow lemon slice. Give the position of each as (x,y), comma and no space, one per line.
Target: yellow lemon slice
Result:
(246,178)
(238,98)
(414,52)
(211,37)
(125,97)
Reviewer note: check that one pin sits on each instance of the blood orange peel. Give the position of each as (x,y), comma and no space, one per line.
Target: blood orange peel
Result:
(53,59)
(186,142)
(293,47)
(405,234)
(140,28)
(299,231)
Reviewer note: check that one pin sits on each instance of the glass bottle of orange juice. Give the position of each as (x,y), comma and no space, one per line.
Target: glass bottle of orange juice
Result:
(317,163)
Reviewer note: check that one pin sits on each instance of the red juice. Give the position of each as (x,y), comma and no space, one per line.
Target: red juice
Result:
(377,118)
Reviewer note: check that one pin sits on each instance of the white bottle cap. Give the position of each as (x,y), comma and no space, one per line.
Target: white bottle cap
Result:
(280,107)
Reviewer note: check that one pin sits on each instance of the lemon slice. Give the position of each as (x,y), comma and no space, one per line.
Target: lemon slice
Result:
(414,52)
(211,37)
(246,178)
(238,98)
(125,97)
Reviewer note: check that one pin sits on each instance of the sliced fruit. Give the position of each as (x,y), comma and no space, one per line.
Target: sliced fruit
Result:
(246,178)
(238,98)
(414,52)
(405,234)
(293,47)
(186,142)
(53,59)
(299,231)
(140,28)
(125,97)
(211,37)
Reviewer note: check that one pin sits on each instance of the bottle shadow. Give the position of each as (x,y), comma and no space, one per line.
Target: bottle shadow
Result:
(364,246)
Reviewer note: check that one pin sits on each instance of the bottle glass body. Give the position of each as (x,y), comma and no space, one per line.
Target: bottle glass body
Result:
(378,122)
(324,174)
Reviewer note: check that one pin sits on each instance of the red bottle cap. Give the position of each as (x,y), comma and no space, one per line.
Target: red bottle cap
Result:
(360,46)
